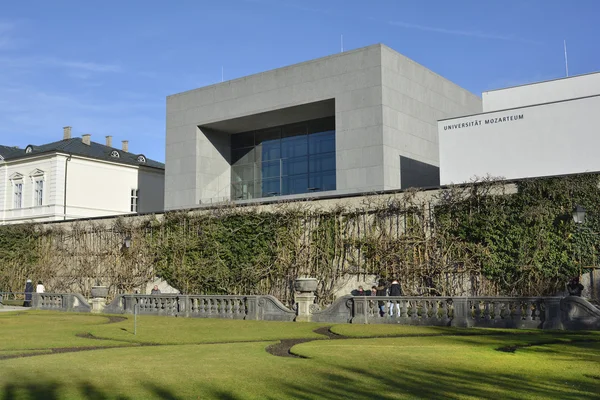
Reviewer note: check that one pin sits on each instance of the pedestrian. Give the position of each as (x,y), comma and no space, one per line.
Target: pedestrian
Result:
(155,290)
(28,291)
(40,287)
(395,290)
(574,287)
(380,292)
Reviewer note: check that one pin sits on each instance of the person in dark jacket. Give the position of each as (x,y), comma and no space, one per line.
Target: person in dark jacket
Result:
(28,291)
(395,290)
(381,293)
(574,287)
(155,290)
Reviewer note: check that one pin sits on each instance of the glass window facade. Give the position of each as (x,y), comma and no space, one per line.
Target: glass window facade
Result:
(289,159)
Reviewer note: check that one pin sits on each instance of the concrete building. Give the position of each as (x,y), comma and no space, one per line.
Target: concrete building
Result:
(541,129)
(77,178)
(359,121)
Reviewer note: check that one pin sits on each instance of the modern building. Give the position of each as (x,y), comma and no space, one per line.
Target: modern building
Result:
(77,178)
(359,121)
(541,129)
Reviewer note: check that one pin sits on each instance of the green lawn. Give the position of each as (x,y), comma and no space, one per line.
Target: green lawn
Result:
(226,359)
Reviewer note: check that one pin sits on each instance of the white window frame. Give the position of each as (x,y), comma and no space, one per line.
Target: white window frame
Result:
(38,192)
(37,197)
(17,184)
(135,200)
(18,194)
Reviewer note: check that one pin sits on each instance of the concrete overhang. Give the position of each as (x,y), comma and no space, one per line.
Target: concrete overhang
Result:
(269,119)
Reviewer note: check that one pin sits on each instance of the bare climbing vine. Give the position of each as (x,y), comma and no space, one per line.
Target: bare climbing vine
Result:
(485,238)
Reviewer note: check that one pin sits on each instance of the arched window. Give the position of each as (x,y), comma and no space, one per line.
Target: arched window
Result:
(141,159)
(115,154)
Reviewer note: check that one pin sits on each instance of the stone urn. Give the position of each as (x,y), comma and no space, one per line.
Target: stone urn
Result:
(99,292)
(305,285)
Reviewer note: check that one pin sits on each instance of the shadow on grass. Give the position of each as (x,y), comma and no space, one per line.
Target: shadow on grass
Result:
(427,384)
(54,391)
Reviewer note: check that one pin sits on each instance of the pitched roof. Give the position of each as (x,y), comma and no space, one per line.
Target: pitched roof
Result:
(76,146)
(9,152)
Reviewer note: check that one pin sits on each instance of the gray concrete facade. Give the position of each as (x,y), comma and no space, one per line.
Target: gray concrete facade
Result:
(385,106)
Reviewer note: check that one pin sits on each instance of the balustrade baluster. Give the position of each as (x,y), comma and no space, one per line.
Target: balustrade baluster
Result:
(537,313)
(528,311)
(477,309)
(497,311)
(445,314)
(517,312)
(436,309)
(486,310)
(425,311)
(414,314)
(403,308)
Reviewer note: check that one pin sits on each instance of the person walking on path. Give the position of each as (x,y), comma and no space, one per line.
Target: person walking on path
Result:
(395,290)
(28,291)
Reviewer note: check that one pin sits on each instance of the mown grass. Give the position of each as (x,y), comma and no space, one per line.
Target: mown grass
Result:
(456,365)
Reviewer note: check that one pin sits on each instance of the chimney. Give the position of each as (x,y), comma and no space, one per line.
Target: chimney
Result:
(86,139)
(66,132)
(109,141)
(125,146)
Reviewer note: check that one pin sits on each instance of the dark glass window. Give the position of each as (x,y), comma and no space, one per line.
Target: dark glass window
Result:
(270,169)
(295,146)
(243,155)
(294,184)
(290,159)
(323,142)
(242,173)
(322,162)
(242,140)
(270,187)
(242,191)
(294,166)
(321,181)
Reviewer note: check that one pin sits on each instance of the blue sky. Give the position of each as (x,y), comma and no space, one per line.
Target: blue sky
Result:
(106,67)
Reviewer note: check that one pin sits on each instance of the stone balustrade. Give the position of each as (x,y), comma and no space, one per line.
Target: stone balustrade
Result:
(498,312)
(60,302)
(493,312)
(201,306)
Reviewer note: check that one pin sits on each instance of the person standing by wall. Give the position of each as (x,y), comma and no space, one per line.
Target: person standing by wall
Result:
(380,292)
(395,290)
(28,291)
(40,287)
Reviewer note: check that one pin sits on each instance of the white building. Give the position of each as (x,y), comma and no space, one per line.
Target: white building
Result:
(541,129)
(77,178)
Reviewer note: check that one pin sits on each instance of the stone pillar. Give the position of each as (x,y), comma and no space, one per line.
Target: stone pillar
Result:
(304,297)
(98,305)
(99,294)
(552,315)
(304,301)
(461,318)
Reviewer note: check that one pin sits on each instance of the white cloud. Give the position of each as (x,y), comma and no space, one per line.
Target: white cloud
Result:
(53,62)
(475,34)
